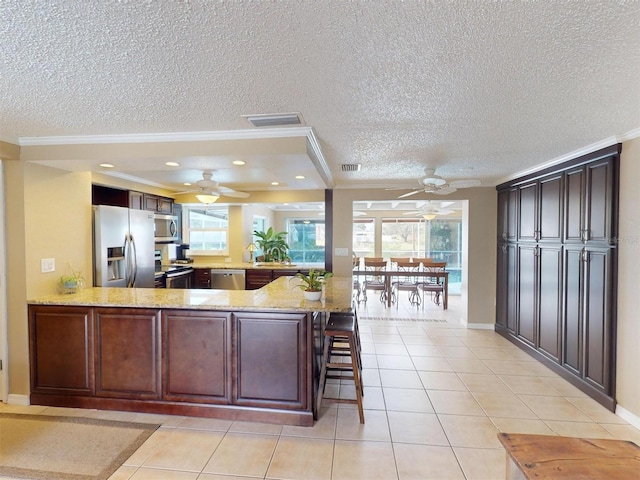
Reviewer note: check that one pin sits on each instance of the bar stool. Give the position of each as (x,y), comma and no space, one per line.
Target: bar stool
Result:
(341,339)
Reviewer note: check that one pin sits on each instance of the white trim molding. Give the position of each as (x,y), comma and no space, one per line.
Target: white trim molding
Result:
(22,400)
(627,416)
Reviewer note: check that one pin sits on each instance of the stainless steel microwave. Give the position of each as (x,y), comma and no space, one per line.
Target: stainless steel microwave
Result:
(166,228)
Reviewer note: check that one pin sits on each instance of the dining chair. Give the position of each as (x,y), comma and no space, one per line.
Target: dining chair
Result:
(357,285)
(433,285)
(405,282)
(373,280)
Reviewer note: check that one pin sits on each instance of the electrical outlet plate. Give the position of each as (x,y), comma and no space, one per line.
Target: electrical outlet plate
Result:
(48,265)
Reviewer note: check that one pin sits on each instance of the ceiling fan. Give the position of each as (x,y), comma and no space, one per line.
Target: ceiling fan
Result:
(208,190)
(430,210)
(433,183)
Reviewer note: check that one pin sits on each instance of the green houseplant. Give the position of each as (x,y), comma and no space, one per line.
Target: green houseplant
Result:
(273,245)
(72,282)
(312,283)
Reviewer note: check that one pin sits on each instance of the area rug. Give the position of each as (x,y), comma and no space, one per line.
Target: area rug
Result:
(399,319)
(42,447)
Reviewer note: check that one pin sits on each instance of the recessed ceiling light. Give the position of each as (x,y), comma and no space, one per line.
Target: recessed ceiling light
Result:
(239,162)
(285,204)
(172,164)
(106,165)
(187,184)
(275,183)
(300,177)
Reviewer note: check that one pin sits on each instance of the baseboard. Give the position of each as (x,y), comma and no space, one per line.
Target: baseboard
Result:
(627,416)
(478,326)
(14,399)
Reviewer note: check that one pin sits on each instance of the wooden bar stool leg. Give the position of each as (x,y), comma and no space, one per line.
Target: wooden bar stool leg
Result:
(323,373)
(357,379)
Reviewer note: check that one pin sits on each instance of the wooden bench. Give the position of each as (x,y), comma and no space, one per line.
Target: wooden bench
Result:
(543,457)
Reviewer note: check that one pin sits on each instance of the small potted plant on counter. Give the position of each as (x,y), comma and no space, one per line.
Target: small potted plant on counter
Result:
(72,282)
(312,283)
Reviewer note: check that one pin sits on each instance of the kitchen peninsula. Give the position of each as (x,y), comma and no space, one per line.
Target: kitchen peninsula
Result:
(240,355)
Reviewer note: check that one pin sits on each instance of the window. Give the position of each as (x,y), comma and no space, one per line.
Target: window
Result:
(440,239)
(259,225)
(207,229)
(306,240)
(364,237)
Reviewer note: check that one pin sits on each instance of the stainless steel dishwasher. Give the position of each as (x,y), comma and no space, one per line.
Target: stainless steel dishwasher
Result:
(224,279)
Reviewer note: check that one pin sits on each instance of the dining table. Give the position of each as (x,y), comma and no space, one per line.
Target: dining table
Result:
(389,274)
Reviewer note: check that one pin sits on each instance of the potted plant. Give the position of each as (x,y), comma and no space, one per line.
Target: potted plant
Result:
(312,283)
(72,282)
(273,245)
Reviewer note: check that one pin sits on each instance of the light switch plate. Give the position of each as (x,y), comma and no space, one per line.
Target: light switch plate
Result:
(47,265)
(341,252)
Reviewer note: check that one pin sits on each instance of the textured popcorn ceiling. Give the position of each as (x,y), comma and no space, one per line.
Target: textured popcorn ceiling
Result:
(476,89)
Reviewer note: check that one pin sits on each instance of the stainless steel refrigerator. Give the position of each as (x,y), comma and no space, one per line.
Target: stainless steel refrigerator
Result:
(123,253)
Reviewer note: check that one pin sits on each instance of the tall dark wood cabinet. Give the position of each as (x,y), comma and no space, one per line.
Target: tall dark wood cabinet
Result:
(556,268)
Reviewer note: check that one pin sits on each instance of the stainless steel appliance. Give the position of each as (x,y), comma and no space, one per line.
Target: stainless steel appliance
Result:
(224,279)
(123,253)
(166,228)
(178,277)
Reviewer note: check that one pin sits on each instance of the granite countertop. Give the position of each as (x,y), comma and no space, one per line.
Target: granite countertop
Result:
(256,266)
(280,295)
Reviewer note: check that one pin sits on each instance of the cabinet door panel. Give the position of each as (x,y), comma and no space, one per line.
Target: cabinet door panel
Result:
(550,301)
(507,286)
(551,208)
(573,294)
(255,278)
(527,293)
(574,212)
(197,356)
(271,360)
(599,198)
(528,212)
(127,353)
(61,350)
(597,320)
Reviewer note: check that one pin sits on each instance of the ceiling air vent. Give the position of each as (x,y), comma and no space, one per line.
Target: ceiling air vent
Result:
(351,167)
(274,120)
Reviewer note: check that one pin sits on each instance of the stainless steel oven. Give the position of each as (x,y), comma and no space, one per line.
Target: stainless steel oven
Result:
(179,277)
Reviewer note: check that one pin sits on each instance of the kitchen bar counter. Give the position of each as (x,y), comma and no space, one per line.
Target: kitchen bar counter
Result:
(281,294)
(257,266)
(235,355)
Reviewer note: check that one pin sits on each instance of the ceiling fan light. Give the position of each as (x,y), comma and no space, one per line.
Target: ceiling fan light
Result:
(428,216)
(207,198)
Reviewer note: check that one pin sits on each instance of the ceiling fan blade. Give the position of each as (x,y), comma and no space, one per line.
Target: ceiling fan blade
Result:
(445,191)
(411,213)
(233,193)
(404,195)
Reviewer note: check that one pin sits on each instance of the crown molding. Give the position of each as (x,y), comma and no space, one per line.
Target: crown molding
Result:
(245,134)
(607,142)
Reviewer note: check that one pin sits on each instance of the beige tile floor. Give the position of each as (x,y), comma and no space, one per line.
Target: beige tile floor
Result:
(436,394)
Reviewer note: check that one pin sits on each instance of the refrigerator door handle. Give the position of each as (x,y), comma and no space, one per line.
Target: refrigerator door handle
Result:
(125,249)
(134,262)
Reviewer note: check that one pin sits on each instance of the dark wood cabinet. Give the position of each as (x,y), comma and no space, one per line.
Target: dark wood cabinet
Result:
(127,356)
(158,204)
(201,278)
(266,373)
(257,278)
(253,366)
(507,214)
(196,359)
(61,350)
(507,286)
(590,203)
(540,209)
(556,284)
